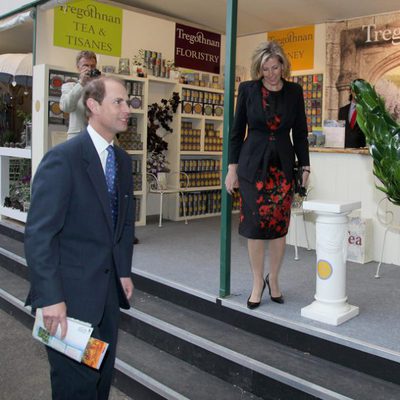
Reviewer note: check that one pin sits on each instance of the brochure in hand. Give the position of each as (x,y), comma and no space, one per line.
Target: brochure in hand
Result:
(77,344)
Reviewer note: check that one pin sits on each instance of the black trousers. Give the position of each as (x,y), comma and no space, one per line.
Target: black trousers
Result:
(71,380)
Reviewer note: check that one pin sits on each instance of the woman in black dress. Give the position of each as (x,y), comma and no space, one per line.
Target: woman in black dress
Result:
(261,163)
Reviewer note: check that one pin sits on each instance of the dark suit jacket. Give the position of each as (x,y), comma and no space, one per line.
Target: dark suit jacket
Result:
(354,137)
(249,152)
(70,243)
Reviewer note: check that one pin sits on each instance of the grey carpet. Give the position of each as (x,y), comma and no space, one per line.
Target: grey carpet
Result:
(188,255)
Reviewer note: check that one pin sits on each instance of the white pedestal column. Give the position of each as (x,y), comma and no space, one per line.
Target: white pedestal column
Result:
(330,305)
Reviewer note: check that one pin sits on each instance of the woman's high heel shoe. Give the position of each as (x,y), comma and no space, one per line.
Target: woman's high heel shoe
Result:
(278,299)
(254,304)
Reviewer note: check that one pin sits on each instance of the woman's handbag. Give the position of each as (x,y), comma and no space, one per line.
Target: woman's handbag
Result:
(298,181)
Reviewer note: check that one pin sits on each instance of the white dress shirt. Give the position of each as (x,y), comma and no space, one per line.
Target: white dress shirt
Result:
(351,110)
(100,144)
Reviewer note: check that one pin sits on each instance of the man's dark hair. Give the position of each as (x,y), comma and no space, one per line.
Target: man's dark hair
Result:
(96,89)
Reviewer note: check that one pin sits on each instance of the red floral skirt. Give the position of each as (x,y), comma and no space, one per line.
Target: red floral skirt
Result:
(265,205)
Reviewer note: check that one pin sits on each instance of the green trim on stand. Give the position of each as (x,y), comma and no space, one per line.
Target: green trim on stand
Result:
(34,39)
(226,200)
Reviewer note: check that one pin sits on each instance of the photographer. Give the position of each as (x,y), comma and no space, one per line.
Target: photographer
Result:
(71,92)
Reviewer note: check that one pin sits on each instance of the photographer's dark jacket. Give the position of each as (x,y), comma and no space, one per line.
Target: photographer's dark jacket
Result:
(248,151)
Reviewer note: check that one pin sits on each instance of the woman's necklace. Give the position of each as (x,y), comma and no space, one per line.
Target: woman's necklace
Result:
(274,88)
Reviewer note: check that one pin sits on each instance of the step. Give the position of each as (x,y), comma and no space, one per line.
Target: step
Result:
(245,360)
(14,289)
(361,356)
(198,336)
(146,372)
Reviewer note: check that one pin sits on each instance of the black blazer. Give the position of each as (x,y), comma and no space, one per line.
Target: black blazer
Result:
(248,152)
(70,242)
(354,137)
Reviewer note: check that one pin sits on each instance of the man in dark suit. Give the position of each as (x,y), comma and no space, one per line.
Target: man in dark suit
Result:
(354,137)
(79,236)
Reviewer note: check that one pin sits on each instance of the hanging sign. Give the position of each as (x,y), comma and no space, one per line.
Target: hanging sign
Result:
(88,25)
(197,49)
(298,44)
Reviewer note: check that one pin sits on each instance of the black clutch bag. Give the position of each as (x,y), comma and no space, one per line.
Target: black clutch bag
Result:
(298,181)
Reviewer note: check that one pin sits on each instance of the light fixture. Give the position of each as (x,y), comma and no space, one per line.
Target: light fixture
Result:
(13,83)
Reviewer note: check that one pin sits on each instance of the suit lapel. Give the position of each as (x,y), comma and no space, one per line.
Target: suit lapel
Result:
(286,104)
(257,94)
(123,181)
(96,175)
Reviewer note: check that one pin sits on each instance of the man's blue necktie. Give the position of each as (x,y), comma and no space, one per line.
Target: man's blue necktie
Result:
(111,179)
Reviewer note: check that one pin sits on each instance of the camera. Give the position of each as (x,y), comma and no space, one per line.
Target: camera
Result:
(94,73)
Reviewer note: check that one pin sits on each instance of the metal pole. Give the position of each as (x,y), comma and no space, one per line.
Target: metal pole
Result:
(226,201)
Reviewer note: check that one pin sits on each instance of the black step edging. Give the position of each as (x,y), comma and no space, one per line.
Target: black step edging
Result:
(133,388)
(13,231)
(214,364)
(346,356)
(123,382)
(13,265)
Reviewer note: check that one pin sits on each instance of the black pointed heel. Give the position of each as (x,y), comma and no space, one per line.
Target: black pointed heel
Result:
(278,299)
(254,304)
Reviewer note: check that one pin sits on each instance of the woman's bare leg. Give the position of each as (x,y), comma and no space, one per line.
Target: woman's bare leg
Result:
(276,252)
(256,250)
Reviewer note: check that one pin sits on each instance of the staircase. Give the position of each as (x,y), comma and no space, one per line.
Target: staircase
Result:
(177,345)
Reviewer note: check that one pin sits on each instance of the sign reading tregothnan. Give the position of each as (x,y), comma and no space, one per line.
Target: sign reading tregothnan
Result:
(197,49)
(298,44)
(88,25)
(388,34)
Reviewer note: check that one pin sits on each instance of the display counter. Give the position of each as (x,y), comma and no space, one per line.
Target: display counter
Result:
(346,175)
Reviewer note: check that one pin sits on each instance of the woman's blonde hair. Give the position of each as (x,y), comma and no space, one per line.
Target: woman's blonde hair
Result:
(263,53)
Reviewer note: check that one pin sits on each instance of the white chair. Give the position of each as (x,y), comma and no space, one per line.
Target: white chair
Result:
(158,184)
(298,211)
(386,217)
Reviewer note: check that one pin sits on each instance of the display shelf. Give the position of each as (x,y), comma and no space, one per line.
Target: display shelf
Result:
(211,153)
(15,152)
(13,213)
(201,88)
(7,153)
(192,153)
(204,215)
(201,188)
(192,116)
(213,118)
(198,137)
(162,80)
(137,111)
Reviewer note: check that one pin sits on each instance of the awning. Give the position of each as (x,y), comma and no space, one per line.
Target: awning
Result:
(15,20)
(16,68)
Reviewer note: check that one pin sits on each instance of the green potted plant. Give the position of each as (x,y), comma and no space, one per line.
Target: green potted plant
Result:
(382,134)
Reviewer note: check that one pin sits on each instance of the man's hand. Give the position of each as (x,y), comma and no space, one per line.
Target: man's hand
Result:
(127,285)
(54,315)
(84,76)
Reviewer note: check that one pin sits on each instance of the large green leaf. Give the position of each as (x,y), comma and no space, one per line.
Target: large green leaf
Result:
(382,133)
